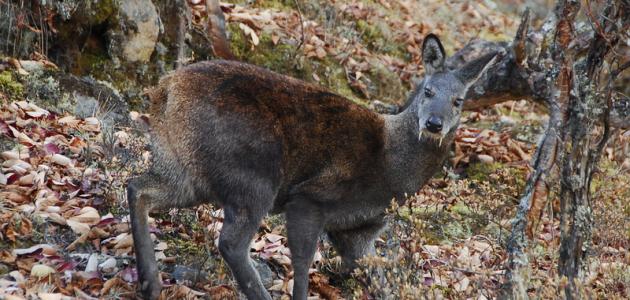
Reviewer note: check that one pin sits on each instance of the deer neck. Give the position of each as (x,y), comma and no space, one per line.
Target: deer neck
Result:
(409,161)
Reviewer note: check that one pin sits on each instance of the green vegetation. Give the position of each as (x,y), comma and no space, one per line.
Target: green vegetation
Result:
(10,86)
(274,57)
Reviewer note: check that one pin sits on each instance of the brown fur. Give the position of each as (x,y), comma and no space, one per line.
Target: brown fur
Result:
(340,138)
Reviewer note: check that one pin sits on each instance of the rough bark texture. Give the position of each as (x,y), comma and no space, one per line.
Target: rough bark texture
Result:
(183,22)
(216,30)
(567,74)
(582,147)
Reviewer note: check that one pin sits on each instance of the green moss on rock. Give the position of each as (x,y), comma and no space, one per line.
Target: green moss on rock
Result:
(482,171)
(97,12)
(10,86)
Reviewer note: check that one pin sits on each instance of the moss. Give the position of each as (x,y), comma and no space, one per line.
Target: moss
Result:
(272,4)
(278,58)
(184,248)
(276,4)
(378,38)
(97,12)
(332,75)
(386,85)
(519,179)
(495,231)
(482,171)
(439,225)
(102,11)
(10,86)
(371,35)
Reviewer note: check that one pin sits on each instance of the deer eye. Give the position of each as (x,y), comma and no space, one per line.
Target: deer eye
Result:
(458,102)
(428,93)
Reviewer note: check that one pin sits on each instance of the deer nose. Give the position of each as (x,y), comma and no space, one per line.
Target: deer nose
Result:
(434,124)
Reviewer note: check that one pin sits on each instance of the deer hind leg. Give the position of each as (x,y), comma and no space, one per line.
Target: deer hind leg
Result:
(354,244)
(141,197)
(147,193)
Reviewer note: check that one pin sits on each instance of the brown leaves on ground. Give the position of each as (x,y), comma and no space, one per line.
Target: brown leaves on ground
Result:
(52,190)
(488,146)
(363,37)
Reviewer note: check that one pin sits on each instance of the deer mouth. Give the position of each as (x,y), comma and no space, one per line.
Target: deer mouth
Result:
(427,135)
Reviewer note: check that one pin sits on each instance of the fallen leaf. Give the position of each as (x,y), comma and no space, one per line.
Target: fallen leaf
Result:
(40,270)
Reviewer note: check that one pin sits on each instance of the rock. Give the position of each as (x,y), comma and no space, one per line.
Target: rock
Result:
(32,65)
(487,159)
(92,263)
(83,96)
(185,274)
(266,275)
(86,106)
(4,269)
(108,266)
(95,98)
(135,31)
(43,89)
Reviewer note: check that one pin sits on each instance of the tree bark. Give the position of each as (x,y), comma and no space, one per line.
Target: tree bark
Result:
(565,72)
(182,27)
(582,151)
(216,30)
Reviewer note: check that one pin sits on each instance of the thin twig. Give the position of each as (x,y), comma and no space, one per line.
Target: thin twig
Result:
(618,71)
(297,6)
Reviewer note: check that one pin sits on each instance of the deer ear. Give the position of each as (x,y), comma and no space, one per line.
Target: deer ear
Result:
(470,72)
(432,54)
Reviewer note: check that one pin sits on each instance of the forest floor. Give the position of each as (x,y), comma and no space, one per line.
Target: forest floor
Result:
(64,223)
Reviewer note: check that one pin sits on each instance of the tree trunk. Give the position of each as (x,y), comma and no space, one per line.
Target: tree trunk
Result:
(567,75)
(581,148)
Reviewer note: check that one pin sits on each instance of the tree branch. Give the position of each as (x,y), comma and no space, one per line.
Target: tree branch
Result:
(520,75)
(216,30)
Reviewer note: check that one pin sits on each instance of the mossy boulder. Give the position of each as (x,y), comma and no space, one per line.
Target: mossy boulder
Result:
(133,31)
(95,12)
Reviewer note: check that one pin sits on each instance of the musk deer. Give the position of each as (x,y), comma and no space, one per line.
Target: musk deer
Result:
(255,142)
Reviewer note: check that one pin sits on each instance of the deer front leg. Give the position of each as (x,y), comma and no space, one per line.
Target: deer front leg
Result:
(355,243)
(239,226)
(304,225)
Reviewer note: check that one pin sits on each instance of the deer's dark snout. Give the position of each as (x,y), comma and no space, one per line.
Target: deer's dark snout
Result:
(434,124)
